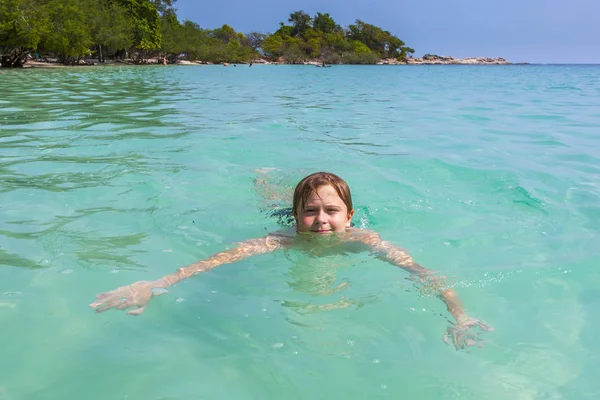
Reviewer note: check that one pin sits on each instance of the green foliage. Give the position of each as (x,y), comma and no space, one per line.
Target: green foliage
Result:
(223,44)
(224,33)
(293,54)
(376,39)
(337,42)
(165,7)
(359,47)
(69,37)
(405,53)
(313,47)
(381,42)
(110,25)
(23,24)
(273,46)
(361,58)
(301,21)
(321,37)
(172,34)
(324,23)
(145,22)
(73,29)
(284,30)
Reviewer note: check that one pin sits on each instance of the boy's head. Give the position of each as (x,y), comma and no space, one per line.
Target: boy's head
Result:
(322,203)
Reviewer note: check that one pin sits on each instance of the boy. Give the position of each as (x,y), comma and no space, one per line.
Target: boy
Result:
(322,209)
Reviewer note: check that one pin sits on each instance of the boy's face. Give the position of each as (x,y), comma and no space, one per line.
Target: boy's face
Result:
(323,213)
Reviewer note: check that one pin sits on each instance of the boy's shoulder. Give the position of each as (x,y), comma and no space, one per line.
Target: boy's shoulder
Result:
(283,237)
(363,235)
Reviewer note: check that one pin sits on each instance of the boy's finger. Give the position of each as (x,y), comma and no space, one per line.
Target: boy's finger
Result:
(137,311)
(108,305)
(96,304)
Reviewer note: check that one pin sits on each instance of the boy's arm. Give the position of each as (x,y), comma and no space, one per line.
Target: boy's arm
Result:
(139,293)
(428,283)
(245,249)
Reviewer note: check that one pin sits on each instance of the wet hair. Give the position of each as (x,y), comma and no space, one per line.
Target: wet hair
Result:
(313,182)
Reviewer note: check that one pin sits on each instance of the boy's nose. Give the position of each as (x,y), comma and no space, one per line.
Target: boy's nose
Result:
(322,217)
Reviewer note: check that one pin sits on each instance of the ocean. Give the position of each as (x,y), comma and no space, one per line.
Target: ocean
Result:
(488,175)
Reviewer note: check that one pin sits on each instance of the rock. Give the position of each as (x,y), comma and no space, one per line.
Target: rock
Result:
(432,59)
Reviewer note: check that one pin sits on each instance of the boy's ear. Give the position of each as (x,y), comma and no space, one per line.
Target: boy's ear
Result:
(349,221)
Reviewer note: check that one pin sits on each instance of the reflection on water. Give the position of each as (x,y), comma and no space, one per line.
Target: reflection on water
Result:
(317,277)
(66,137)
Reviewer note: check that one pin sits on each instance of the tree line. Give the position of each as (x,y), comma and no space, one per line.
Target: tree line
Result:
(73,30)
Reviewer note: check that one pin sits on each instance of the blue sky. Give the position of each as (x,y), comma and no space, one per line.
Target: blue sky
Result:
(540,31)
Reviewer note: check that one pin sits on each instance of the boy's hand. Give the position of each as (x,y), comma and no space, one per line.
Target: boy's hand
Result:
(137,295)
(462,333)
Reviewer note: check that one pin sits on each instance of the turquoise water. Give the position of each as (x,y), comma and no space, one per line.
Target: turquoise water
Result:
(488,175)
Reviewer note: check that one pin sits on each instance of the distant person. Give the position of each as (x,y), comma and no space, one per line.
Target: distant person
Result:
(322,211)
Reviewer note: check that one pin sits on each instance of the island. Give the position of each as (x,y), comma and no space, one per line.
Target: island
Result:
(140,32)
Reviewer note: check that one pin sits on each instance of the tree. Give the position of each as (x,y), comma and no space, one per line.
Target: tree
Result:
(300,22)
(321,37)
(284,30)
(337,42)
(324,23)
(110,26)
(359,47)
(292,51)
(273,46)
(145,22)
(405,53)
(69,37)
(23,24)
(224,33)
(392,45)
(73,28)
(255,40)
(196,42)
(223,44)
(368,34)
(165,7)
(383,43)
(172,40)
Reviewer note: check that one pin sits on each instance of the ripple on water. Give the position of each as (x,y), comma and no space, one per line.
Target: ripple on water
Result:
(486,175)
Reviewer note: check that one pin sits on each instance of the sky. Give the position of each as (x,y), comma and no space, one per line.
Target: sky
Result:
(535,31)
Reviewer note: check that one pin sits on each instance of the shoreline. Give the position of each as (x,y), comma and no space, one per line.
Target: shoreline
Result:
(431,60)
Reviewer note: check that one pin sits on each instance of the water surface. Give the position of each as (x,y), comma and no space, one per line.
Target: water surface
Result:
(486,174)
